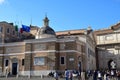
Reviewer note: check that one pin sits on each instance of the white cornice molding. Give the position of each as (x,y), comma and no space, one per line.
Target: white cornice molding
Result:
(12,44)
(12,54)
(40,51)
(62,51)
(41,40)
(29,52)
(50,40)
(38,41)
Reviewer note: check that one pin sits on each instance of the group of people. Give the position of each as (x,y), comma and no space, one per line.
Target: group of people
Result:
(67,74)
(96,75)
(104,75)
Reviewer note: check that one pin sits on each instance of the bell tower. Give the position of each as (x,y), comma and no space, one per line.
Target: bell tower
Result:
(46,21)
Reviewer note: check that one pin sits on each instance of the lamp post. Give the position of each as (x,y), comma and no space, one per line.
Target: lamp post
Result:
(79,67)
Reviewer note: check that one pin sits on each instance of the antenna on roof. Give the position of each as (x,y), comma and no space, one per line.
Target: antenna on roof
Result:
(31,21)
(16,21)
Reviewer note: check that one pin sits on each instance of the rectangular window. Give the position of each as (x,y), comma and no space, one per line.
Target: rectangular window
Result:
(109,37)
(6,62)
(39,61)
(13,32)
(118,36)
(83,48)
(110,53)
(1,29)
(22,62)
(62,60)
(18,34)
(8,30)
(62,46)
(40,47)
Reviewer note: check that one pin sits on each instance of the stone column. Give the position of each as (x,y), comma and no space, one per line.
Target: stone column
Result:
(28,59)
(1,59)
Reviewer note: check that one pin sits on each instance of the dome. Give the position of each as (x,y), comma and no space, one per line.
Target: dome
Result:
(45,31)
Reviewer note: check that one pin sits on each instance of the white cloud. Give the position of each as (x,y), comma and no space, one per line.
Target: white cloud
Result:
(2,1)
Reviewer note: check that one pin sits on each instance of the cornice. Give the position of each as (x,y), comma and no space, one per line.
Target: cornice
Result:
(45,51)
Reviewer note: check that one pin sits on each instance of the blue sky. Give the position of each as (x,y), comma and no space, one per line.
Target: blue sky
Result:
(63,14)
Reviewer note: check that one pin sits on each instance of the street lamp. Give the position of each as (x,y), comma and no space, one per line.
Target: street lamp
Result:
(79,65)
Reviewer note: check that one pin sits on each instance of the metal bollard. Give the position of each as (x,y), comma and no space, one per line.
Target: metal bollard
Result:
(29,76)
(41,76)
(17,76)
(6,75)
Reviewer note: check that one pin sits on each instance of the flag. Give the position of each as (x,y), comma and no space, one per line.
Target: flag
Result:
(25,28)
(16,27)
(21,30)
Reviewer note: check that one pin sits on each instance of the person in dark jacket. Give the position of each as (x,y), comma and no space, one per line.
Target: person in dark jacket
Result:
(95,75)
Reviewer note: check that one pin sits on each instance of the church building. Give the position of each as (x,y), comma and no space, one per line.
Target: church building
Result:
(49,51)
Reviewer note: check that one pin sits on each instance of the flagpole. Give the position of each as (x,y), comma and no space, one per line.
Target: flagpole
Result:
(21,22)
(31,21)
(21,31)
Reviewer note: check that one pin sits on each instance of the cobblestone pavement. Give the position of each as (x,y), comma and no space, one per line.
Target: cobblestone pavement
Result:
(115,78)
(46,78)
(32,78)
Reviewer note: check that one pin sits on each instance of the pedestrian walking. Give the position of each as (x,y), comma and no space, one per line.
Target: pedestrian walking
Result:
(105,77)
(95,75)
(99,75)
(66,74)
(70,75)
(56,76)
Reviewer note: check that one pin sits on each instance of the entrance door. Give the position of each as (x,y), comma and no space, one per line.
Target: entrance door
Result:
(14,68)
